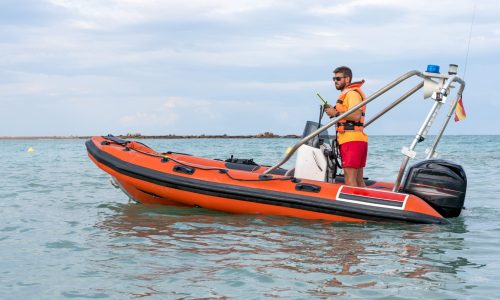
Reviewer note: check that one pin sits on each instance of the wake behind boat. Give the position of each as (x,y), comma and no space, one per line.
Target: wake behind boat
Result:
(428,192)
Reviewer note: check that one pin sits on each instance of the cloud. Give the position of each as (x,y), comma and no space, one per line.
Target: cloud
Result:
(110,14)
(284,116)
(151,119)
(406,9)
(177,33)
(225,62)
(166,115)
(20,89)
(347,8)
(281,86)
(173,110)
(173,102)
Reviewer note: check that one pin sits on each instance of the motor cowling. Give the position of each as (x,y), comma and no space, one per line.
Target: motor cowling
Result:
(440,183)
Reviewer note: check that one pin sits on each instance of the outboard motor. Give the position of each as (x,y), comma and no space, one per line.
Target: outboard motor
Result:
(440,183)
(322,138)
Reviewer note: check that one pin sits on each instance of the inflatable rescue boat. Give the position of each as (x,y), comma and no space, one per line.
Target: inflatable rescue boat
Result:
(430,191)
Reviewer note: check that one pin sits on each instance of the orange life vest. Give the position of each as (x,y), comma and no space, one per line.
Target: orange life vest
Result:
(346,125)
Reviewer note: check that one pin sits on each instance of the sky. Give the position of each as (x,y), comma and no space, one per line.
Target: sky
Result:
(236,67)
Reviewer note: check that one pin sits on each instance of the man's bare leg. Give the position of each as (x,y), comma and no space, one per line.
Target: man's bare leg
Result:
(350,176)
(359,178)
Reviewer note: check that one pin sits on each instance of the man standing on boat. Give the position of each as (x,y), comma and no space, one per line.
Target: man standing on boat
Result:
(350,135)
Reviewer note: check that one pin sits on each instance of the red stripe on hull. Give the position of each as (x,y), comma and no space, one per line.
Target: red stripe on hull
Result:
(380,194)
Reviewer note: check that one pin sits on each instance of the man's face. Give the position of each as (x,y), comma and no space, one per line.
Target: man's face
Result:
(340,81)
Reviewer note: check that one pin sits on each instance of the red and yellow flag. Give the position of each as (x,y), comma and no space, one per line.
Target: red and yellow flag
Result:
(460,111)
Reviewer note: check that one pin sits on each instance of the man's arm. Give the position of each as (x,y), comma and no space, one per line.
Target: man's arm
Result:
(353,98)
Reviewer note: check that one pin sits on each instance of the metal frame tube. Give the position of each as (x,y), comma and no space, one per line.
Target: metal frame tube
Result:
(432,150)
(395,103)
(418,138)
(340,117)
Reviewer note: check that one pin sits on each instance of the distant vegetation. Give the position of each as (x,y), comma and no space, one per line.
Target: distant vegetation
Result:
(168,136)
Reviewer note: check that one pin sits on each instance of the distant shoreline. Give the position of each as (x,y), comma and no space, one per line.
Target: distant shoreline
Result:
(201,136)
(170,136)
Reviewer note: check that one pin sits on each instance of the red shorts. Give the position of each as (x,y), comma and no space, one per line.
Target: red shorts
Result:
(354,154)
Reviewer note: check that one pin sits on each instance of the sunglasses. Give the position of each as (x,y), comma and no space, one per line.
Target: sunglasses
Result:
(338,78)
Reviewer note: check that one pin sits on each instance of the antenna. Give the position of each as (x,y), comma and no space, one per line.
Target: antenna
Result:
(470,36)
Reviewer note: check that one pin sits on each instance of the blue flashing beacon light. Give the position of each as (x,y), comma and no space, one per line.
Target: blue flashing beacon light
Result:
(432,69)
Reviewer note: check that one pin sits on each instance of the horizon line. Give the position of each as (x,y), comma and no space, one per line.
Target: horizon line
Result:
(194,136)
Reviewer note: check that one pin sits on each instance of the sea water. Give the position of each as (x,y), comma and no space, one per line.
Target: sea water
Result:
(65,232)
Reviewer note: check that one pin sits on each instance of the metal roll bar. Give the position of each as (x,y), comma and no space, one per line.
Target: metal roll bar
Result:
(395,103)
(439,97)
(341,116)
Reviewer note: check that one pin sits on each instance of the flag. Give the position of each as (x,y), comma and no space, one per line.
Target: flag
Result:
(460,111)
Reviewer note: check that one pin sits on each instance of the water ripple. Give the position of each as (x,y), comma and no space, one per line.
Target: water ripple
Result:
(66,233)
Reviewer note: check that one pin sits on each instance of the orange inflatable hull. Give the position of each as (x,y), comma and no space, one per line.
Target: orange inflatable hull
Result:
(184,180)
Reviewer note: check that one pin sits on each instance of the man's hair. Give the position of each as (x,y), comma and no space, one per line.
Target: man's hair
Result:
(344,70)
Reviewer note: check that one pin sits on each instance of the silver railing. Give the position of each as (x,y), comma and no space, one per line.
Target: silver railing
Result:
(439,97)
